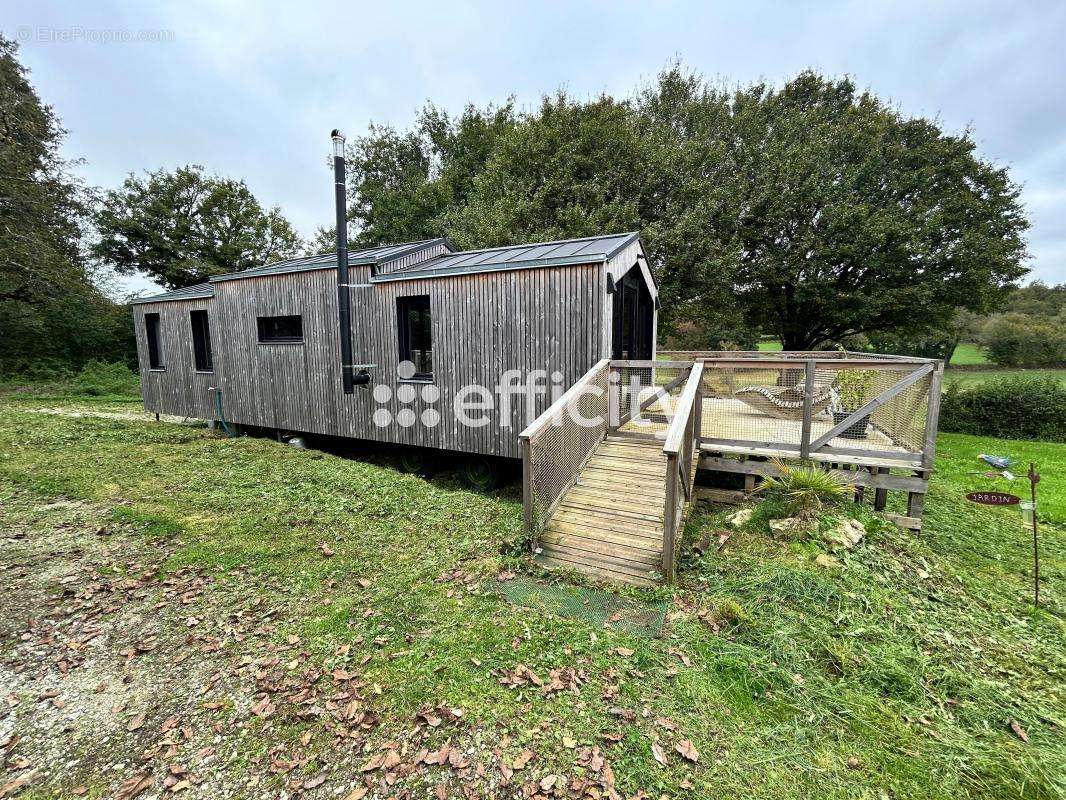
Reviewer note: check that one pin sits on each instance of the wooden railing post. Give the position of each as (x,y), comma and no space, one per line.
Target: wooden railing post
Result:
(808,401)
(669,518)
(527,491)
(932,416)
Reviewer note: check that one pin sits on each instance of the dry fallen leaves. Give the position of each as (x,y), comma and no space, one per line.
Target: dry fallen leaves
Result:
(688,751)
(658,754)
(132,787)
(1019,731)
(522,759)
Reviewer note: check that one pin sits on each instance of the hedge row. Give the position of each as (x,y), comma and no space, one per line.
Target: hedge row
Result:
(1024,407)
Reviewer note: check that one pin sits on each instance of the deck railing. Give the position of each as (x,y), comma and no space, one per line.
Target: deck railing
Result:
(558,443)
(681,448)
(821,405)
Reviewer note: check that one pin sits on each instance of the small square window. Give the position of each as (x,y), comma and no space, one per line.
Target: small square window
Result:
(288,329)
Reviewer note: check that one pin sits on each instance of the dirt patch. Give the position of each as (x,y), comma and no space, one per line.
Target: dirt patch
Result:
(125,416)
(118,671)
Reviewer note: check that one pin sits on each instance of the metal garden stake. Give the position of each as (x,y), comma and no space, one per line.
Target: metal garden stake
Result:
(1034,479)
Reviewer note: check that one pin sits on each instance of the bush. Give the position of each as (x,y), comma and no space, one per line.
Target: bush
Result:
(806,489)
(1020,340)
(1025,407)
(100,378)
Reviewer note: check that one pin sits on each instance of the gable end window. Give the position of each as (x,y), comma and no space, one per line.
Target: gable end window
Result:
(155,345)
(281,330)
(201,341)
(416,334)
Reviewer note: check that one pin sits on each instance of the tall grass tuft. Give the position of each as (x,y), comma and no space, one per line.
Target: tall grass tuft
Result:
(807,489)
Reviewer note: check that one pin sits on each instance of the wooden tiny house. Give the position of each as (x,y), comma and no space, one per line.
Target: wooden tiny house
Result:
(263,346)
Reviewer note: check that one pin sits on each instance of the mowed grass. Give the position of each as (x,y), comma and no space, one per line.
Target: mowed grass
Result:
(896,673)
(969,354)
(974,377)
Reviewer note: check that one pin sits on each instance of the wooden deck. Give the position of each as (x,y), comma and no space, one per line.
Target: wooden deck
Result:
(610,523)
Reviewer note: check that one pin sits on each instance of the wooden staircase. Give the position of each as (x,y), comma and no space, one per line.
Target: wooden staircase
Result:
(604,501)
(610,523)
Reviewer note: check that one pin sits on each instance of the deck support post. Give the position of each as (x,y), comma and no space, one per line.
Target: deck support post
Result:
(880,495)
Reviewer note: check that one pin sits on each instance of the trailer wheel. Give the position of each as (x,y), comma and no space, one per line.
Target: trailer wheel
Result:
(480,473)
(414,461)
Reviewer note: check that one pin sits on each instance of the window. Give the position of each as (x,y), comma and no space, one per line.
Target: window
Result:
(416,334)
(155,345)
(288,329)
(201,341)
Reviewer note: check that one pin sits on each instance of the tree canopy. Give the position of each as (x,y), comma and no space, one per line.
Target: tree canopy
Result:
(181,227)
(812,210)
(51,312)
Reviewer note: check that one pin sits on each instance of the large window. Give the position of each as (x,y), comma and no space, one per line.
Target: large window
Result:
(155,345)
(416,334)
(288,329)
(201,341)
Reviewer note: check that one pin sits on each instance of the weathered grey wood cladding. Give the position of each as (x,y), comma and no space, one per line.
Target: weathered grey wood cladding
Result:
(177,388)
(552,318)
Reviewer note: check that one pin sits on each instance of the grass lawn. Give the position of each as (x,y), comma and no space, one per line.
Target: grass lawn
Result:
(341,633)
(967,354)
(972,378)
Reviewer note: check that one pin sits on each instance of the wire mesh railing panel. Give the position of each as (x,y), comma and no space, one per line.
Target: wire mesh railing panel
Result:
(559,448)
(756,405)
(903,418)
(750,403)
(646,397)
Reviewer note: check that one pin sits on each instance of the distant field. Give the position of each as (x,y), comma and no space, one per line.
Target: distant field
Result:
(770,346)
(969,354)
(968,378)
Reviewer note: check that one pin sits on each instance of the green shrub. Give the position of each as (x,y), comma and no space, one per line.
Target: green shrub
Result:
(806,489)
(1020,340)
(100,378)
(1023,407)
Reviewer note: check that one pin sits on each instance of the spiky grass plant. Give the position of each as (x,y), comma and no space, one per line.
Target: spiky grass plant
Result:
(806,488)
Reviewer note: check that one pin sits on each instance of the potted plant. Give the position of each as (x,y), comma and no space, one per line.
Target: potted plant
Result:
(852,390)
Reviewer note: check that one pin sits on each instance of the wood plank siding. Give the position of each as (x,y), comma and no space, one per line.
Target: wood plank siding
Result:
(177,388)
(551,318)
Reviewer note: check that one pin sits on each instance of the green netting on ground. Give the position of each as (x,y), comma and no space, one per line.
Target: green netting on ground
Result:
(594,606)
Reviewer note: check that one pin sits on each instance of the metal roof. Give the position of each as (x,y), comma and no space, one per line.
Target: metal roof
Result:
(588,250)
(188,293)
(369,255)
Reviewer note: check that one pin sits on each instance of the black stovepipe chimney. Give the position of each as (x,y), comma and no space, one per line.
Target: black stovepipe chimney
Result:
(344,311)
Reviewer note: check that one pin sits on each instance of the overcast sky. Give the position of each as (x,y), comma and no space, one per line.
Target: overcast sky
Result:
(251,89)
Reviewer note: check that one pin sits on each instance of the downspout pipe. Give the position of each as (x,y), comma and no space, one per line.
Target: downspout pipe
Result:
(344,309)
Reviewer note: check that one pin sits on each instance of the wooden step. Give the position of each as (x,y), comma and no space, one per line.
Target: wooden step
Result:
(632,549)
(604,570)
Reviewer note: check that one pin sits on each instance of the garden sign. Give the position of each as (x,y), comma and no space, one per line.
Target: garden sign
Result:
(993,498)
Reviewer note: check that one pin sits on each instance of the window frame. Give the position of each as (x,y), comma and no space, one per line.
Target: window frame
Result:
(153,335)
(404,306)
(263,335)
(202,356)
